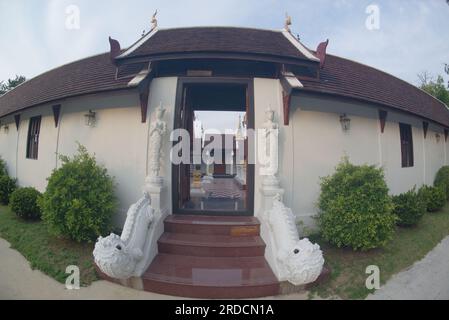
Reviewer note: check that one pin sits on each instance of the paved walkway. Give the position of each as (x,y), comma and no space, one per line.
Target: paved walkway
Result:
(427,279)
(19,281)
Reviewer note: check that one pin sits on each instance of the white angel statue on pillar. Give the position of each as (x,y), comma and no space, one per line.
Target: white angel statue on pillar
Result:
(157,131)
(269,148)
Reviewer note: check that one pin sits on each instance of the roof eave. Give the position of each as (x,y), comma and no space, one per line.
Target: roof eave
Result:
(137,44)
(298,45)
(307,90)
(219,55)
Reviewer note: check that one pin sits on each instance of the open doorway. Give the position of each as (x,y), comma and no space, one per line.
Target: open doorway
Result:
(218,179)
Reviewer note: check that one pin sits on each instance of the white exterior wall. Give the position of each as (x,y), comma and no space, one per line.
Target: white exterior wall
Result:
(119,140)
(319,143)
(8,145)
(310,147)
(314,143)
(32,172)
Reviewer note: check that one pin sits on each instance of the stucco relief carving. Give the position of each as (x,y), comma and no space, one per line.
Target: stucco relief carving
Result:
(157,131)
(269,148)
(117,256)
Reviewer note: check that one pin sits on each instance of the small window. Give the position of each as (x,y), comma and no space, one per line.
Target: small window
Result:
(33,137)
(406,145)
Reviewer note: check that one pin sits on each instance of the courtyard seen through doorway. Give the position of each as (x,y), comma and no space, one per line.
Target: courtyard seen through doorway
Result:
(216,119)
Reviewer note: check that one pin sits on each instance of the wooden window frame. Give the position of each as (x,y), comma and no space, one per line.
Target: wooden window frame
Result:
(34,128)
(407,153)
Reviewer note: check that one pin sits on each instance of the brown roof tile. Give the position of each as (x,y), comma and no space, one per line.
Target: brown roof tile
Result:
(351,79)
(218,39)
(85,76)
(339,76)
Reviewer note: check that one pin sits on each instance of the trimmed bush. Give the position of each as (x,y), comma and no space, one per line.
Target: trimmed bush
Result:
(23,203)
(79,200)
(7,186)
(409,207)
(442,180)
(3,171)
(433,197)
(355,208)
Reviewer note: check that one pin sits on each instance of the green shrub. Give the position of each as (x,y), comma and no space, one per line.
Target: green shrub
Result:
(355,208)
(79,200)
(7,186)
(433,197)
(442,180)
(3,171)
(409,207)
(23,203)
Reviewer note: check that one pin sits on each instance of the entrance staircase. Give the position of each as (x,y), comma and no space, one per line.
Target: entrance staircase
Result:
(211,257)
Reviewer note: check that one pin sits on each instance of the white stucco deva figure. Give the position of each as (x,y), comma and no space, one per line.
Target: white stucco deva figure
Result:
(117,256)
(292,259)
(268,146)
(298,261)
(157,131)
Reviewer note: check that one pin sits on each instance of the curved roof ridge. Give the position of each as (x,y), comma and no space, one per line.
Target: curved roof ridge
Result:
(51,70)
(138,43)
(84,76)
(223,39)
(224,27)
(388,74)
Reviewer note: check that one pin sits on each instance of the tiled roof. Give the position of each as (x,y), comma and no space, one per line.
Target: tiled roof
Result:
(351,79)
(81,77)
(218,39)
(340,76)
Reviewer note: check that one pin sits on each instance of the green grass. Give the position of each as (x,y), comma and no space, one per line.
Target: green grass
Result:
(409,245)
(45,252)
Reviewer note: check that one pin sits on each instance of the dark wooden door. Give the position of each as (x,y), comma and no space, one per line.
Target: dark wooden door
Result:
(184,168)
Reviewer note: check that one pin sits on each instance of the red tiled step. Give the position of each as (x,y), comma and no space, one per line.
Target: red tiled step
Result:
(211,245)
(211,225)
(217,278)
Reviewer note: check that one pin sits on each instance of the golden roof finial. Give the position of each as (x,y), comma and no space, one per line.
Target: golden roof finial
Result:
(288,22)
(154,21)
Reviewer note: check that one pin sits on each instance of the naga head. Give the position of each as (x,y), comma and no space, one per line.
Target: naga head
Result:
(304,262)
(113,257)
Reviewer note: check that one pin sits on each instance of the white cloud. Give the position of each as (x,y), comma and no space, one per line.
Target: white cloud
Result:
(411,38)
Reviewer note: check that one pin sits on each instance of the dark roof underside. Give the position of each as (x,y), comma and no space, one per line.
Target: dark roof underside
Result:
(218,39)
(351,79)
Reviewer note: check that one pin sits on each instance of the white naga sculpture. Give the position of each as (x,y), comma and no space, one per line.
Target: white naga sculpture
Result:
(129,255)
(117,256)
(299,261)
(296,261)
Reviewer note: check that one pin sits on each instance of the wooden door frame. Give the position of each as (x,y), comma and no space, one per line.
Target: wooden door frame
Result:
(182,83)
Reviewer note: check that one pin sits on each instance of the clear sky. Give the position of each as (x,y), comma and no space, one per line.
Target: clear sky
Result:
(412,36)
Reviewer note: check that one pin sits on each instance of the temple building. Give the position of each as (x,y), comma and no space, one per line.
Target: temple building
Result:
(219,230)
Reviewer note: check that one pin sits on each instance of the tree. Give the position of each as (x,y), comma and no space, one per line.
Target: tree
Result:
(435,87)
(11,84)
